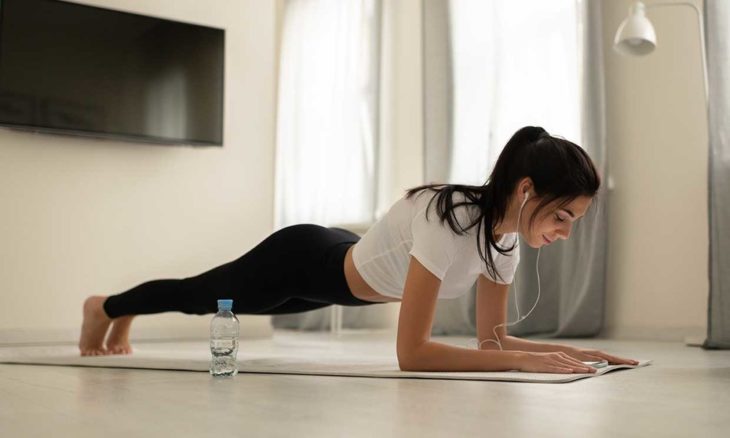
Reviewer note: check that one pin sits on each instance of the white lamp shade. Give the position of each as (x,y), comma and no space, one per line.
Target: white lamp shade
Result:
(636,34)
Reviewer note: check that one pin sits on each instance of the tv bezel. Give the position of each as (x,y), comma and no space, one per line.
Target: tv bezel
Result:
(132,138)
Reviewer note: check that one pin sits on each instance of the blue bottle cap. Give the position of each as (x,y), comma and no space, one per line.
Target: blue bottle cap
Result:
(225,304)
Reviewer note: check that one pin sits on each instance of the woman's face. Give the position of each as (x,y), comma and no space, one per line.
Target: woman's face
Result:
(553,222)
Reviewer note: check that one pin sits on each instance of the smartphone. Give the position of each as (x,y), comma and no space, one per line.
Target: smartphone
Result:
(597,364)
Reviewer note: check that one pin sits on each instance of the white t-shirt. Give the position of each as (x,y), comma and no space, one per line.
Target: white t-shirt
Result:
(383,254)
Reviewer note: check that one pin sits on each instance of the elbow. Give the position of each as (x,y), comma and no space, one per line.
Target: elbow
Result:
(409,365)
(406,365)
(405,362)
(408,360)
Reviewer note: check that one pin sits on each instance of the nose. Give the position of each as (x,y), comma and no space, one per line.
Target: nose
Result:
(564,232)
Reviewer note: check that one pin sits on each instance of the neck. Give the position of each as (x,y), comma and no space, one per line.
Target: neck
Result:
(509,222)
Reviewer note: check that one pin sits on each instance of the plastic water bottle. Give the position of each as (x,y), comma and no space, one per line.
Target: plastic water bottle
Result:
(224,340)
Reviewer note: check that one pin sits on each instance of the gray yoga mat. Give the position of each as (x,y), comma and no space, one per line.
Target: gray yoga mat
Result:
(309,359)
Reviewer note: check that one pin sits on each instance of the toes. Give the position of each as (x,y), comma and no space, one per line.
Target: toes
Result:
(120,350)
(93,352)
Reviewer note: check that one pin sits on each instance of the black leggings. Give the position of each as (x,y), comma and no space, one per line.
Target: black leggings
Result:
(296,269)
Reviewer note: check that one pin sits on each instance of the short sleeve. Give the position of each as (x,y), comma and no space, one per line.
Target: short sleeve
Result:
(434,243)
(506,264)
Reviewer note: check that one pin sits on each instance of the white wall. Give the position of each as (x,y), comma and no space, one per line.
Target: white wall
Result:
(657,143)
(84,216)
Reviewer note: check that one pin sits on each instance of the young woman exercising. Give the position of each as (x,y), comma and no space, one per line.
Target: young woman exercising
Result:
(434,242)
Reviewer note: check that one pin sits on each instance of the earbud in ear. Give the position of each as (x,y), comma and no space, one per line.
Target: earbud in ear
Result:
(524,201)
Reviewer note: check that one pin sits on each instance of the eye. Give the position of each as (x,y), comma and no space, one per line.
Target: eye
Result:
(559,219)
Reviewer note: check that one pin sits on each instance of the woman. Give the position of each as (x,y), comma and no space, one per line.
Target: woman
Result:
(435,242)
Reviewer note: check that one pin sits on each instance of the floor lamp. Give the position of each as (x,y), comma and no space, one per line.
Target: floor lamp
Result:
(635,36)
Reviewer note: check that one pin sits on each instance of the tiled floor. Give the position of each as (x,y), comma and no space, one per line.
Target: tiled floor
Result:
(684,393)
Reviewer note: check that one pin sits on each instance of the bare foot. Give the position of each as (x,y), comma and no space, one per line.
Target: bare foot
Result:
(94,327)
(118,340)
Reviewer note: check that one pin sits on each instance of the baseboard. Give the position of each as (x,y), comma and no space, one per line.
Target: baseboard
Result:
(196,328)
(689,335)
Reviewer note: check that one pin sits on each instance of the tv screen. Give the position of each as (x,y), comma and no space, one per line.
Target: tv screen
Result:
(76,69)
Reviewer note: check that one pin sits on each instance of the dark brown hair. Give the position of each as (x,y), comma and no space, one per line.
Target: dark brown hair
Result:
(560,170)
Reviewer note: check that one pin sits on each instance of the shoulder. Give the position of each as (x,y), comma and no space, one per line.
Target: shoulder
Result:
(509,240)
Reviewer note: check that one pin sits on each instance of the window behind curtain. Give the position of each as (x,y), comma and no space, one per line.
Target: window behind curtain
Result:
(515,63)
(326,125)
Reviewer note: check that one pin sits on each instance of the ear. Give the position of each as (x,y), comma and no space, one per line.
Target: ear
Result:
(524,186)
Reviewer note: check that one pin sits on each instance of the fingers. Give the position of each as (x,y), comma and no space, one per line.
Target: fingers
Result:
(600,355)
(622,361)
(565,369)
(573,361)
(615,359)
(573,364)
(561,362)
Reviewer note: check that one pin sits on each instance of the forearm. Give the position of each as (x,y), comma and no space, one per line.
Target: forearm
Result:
(512,343)
(434,356)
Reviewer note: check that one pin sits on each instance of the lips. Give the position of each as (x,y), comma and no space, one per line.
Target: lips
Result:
(548,241)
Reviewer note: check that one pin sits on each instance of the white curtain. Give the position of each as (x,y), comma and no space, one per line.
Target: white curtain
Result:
(515,63)
(326,127)
(326,157)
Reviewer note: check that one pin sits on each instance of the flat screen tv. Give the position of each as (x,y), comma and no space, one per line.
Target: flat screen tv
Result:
(67,68)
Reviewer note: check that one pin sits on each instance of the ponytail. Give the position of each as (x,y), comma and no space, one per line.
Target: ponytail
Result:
(559,169)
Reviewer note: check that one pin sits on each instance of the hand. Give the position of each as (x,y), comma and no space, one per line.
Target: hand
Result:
(551,362)
(597,355)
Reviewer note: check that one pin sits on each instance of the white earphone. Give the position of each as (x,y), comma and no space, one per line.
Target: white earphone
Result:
(519,319)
